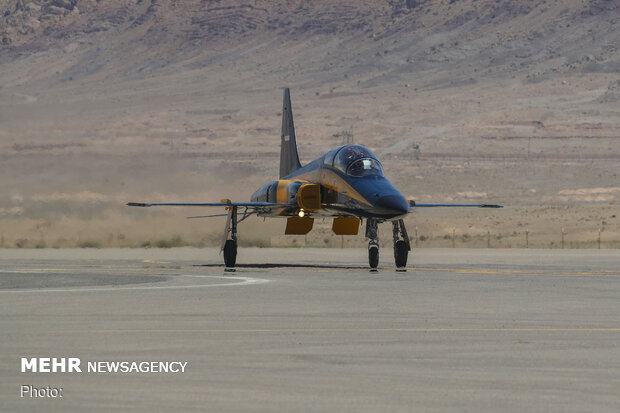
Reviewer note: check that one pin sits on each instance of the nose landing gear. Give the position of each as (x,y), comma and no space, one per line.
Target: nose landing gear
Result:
(373,244)
(401,244)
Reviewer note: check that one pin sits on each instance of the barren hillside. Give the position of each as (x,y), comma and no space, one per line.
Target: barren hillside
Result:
(106,101)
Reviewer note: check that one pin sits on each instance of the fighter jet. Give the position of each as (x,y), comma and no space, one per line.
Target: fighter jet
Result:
(347,184)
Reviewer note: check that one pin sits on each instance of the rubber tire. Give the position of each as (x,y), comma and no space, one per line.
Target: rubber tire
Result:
(401,252)
(230,253)
(373,256)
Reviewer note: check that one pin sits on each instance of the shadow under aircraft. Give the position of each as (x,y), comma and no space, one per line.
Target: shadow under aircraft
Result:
(346,184)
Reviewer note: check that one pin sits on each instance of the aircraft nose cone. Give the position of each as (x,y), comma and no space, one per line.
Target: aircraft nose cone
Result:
(396,204)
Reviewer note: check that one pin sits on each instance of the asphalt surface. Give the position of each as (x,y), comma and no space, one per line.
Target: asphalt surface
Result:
(314,330)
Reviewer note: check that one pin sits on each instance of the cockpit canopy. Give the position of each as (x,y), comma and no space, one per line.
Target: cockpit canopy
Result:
(357,161)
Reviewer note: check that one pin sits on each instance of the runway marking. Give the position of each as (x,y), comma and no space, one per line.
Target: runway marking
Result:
(243,281)
(24,270)
(78,268)
(342,330)
(485,271)
(461,270)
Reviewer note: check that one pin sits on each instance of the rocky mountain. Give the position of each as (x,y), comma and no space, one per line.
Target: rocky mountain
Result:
(404,35)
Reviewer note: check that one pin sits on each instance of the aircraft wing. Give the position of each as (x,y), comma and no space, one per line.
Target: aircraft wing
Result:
(249,207)
(414,204)
(208,204)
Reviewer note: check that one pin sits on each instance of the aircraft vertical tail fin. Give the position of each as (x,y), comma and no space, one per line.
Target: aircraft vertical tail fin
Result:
(289,158)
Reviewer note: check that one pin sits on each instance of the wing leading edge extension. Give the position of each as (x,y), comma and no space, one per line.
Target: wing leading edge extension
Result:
(414,204)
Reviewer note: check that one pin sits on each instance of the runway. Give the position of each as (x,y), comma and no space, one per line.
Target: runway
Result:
(312,329)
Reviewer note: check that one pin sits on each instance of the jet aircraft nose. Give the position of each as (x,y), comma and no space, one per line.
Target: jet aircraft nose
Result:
(393,204)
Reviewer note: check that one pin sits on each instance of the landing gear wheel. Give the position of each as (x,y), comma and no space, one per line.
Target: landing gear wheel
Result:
(401,245)
(230,253)
(401,251)
(373,244)
(373,255)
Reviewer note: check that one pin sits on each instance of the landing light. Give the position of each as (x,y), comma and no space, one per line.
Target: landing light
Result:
(301,213)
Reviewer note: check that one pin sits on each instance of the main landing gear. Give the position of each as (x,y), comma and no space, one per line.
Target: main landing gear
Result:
(229,245)
(401,244)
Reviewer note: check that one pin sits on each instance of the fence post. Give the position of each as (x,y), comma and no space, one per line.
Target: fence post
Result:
(453,242)
(527,238)
(562,238)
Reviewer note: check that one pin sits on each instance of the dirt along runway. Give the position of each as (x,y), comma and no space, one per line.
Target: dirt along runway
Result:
(313,329)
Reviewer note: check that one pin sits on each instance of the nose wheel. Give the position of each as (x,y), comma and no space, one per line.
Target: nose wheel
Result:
(373,254)
(373,244)
(401,244)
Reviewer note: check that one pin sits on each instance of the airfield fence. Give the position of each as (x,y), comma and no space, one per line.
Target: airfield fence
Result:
(322,237)
(560,239)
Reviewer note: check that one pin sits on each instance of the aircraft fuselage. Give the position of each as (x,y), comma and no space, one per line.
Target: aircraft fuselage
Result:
(346,181)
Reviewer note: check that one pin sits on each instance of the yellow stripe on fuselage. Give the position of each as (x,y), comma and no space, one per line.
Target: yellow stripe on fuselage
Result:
(331,180)
(282,191)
